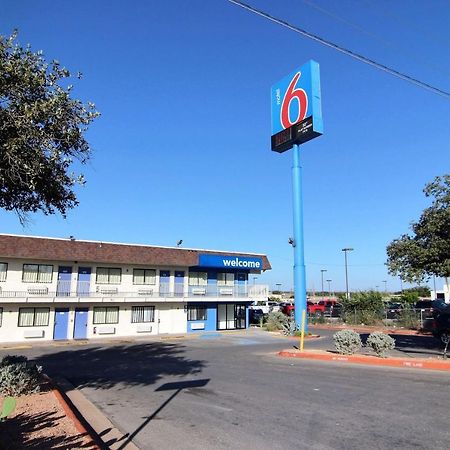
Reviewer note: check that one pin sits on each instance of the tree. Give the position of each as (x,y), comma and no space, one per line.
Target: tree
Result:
(426,252)
(41,132)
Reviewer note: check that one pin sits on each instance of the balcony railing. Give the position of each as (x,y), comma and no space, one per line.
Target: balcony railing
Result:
(84,289)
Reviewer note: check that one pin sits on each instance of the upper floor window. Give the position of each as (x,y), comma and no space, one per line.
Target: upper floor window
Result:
(109,275)
(37,273)
(3,271)
(225,279)
(144,276)
(198,278)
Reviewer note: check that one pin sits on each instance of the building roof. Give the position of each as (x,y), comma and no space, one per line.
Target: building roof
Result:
(57,249)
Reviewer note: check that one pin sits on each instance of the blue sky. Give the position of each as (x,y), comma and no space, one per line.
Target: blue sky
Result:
(182,149)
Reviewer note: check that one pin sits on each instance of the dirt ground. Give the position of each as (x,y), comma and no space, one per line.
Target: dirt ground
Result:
(39,422)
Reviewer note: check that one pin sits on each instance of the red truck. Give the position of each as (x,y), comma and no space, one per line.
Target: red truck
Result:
(314,309)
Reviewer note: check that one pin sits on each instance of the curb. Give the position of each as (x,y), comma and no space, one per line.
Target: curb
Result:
(405,363)
(74,415)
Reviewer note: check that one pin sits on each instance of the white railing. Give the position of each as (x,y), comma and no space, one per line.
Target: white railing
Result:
(83,289)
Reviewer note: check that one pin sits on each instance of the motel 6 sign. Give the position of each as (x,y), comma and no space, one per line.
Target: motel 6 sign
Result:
(296,108)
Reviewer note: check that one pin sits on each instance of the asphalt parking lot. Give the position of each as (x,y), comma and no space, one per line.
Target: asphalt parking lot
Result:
(230,391)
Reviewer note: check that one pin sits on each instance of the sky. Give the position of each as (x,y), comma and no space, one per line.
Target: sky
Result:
(182,148)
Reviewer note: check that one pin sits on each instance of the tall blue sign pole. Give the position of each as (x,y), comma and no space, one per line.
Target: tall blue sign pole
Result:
(296,119)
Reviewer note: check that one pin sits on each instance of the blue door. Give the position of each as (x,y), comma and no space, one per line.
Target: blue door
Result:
(179,283)
(61,327)
(64,279)
(81,322)
(241,279)
(84,281)
(164,280)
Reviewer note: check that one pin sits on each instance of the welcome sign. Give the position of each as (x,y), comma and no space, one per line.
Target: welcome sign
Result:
(230,262)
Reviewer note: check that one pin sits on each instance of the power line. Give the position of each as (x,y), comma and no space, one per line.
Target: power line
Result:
(347,52)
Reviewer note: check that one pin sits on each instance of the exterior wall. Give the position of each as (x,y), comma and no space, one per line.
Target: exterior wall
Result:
(210,324)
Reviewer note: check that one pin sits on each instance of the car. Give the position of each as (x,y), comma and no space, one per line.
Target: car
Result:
(255,315)
(441,321)
(393,310)
(287,308)
(424,309)
(323,308)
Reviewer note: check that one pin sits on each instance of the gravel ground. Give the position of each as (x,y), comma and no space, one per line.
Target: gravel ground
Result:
(39,422)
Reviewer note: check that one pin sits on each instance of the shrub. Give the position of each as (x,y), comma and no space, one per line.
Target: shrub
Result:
(289,327)
(380,343)
(18,376)
(347,342)
(275,321)
(360,317)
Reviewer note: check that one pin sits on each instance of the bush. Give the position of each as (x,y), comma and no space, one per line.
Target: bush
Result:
(275,321)
(18,376)
(380,343)
(362,317)
(347,342)
(289,327)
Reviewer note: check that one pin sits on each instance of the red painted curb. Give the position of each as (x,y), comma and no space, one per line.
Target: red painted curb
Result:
(69,411)
(410,363)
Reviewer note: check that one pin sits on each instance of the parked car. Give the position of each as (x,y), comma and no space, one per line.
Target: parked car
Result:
(393,310)
(255,315)
(424,309)
(441,320)
(323,307)
(287,308)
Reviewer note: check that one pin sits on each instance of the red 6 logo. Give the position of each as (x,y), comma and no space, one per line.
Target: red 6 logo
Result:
(291,94)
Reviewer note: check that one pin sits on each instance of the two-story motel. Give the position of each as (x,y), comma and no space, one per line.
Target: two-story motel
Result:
(56,289)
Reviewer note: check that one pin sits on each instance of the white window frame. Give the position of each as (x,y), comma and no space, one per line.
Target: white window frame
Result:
(139,314)
(35,311)
(149,277)
(193,311)
(3,273)
(107,309)
(198,278)
(108,274)
(39,273)
(227,279)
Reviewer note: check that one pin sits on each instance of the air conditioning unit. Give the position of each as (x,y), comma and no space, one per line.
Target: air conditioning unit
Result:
(108,291)
(37,290)
(226,291)
(148,292)
(199,291)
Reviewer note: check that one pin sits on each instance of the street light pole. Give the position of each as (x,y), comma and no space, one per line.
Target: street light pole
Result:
(329,287)
(279,287)
(385,285)
(321,272)
(345,250)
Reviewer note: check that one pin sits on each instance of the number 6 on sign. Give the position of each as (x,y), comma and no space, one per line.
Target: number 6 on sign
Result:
(291,94)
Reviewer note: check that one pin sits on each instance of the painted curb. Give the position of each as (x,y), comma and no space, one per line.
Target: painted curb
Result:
(73,414)
(405,363)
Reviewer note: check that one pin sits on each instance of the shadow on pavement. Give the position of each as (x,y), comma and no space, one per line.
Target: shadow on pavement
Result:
(106,367)
(414,344)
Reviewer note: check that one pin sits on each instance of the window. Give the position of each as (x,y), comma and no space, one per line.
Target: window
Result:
(1,316)
(109,275)
(196,313)
(144,276)
(225,279)
(142,314)
(33,317)
(37,273)
(198,278)
(103,315)
(3,271)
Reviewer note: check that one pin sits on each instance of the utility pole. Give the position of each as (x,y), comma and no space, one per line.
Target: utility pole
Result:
(321,273)
(345,250)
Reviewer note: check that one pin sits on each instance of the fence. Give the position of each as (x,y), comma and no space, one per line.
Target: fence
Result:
(402,317)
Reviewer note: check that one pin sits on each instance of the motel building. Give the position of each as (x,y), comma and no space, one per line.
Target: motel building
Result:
(58,289)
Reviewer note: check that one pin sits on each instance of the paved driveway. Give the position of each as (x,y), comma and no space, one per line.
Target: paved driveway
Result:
(229,391)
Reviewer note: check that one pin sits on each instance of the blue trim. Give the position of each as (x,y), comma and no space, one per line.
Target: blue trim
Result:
(211,318)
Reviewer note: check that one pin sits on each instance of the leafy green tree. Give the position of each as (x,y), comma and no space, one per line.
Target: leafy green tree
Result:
(364,300)
(41,132)
(425,252)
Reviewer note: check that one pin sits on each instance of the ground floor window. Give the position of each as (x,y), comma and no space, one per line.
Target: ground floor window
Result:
(142,314)
(1,316)
(106,315)
(196,313)
(34,317)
